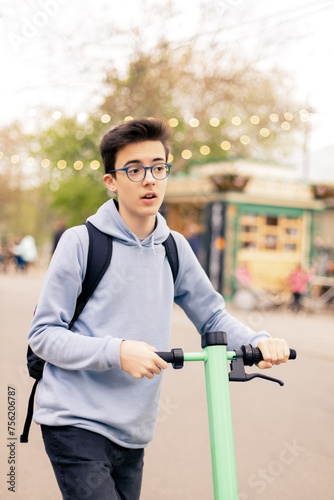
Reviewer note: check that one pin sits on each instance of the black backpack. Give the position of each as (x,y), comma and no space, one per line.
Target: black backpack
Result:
(99,256)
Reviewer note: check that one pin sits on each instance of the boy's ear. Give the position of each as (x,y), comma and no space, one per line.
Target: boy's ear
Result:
(109,181)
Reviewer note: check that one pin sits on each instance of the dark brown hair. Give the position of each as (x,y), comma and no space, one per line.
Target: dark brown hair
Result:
(140,130)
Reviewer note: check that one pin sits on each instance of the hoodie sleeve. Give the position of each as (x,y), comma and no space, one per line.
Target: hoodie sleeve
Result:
(204,306)
(49,336)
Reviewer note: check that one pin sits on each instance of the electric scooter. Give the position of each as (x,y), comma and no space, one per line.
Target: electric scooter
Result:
(217,376)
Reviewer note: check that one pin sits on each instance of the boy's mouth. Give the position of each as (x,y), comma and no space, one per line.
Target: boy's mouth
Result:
(149,196)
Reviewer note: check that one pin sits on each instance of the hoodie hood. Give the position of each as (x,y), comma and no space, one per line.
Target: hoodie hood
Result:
(108,220)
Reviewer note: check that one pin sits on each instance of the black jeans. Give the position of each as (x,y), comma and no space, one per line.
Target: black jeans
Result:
(89,466)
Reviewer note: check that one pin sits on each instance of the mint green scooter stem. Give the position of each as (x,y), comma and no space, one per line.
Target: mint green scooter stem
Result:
(224,474)
(220,424)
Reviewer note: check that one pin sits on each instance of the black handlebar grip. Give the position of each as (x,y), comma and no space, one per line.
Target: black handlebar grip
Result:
(253,355)
(175,356)
(166,356)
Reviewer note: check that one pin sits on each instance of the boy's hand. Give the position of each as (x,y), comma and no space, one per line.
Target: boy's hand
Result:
(274,352)
(139,359)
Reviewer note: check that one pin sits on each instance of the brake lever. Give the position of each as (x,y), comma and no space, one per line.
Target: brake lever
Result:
(238,374)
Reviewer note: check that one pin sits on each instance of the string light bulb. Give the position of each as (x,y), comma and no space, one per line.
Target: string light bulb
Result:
(236,121)
(77,165)
(274,117)
(61,164)
(264,132)
(193,122)
(45,163)
(186,154)
(95,165)
(244,139)
(225,145)
(105,118)
(214,122)
(254,119)
(173,122)
(15,159)
(205,150)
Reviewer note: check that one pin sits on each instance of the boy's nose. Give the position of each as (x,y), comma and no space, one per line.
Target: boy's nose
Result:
(149,177)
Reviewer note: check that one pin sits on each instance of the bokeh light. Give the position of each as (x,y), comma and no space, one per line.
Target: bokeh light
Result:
(173,122)
(77,165)
(264,132)
(186,154)
(95,165)
(193,122)
(105,118)
(15,159)
(245,139)
(45,163)
(225,145)
(61,164)
(285,125)
(205,150)
(214,122)
(274,117)
(255,120)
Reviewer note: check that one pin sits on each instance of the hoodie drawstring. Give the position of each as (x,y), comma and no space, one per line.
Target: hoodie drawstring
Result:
(139,243)
(152,244)
(141,247)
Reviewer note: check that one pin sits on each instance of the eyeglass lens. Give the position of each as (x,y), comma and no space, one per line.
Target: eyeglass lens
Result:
(137,172)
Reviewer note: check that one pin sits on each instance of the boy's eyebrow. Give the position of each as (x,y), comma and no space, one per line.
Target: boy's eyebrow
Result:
(139,162)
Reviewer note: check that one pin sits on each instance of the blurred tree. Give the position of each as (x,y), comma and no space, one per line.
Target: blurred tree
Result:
(18,194)
(216,112)
(71,168)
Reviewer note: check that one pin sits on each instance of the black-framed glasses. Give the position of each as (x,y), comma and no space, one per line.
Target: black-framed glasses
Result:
(137,173)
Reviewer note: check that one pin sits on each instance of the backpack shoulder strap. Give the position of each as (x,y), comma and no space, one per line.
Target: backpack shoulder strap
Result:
(30,410)
(99,256)
(172,255)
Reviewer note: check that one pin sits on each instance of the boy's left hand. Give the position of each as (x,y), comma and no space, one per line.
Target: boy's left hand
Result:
(274,352)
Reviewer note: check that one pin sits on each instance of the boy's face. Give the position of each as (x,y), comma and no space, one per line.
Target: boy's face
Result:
(136,205)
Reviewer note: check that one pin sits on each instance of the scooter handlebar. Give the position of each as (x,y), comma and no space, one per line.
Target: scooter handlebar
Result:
(253,355)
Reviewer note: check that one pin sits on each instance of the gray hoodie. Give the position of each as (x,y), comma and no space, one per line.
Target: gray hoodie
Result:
(83,384)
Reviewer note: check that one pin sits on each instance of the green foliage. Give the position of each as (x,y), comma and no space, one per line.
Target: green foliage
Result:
(77,197)
(70,141)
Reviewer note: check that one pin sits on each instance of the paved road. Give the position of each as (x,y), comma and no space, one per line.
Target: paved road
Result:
(284,436)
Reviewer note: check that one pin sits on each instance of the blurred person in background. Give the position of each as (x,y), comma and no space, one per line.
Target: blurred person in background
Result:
(25,252)
(298,281)
(60,228)
(2,258)
(193,237)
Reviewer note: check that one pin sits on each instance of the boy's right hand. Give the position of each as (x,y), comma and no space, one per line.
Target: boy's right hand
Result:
(139,359)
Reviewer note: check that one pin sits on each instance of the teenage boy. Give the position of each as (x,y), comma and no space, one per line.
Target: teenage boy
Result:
(99,395)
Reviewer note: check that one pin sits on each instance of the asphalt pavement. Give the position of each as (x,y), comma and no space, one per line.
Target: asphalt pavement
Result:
(284,436)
